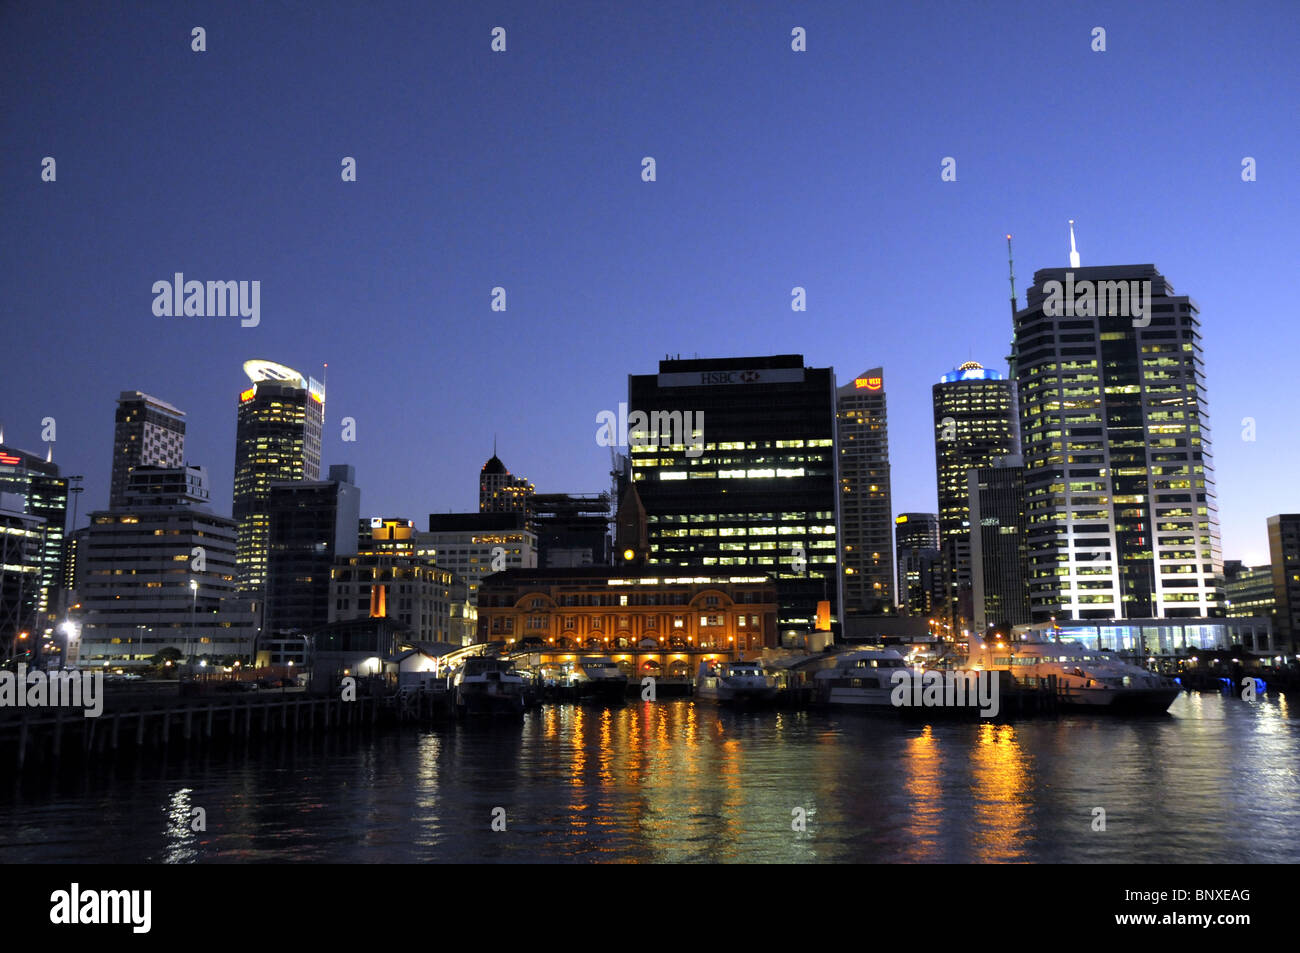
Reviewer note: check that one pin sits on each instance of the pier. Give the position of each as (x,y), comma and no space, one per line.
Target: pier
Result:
(148,722)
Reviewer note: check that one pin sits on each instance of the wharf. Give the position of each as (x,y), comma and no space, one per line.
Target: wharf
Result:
(146,721)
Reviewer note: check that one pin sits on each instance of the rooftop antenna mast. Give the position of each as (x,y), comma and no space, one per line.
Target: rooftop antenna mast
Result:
(1074,252)
(1011,269)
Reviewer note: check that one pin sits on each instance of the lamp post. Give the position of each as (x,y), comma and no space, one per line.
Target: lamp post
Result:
(194,601)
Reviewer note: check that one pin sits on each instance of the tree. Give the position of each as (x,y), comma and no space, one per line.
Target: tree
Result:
(169,654)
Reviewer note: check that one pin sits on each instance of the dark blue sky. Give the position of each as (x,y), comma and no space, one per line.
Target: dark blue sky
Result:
(522,169)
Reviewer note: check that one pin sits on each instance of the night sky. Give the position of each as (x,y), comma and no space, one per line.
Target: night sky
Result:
(522,169)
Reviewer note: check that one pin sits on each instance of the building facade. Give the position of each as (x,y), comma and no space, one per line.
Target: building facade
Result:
(475,545)
(277,440)
(499,491)
(999,557)
(21,540)
(425,599)
(976,422)
(161,574)
(733,460)
(1284,564)
(1248,591)
(572,529)
(44,494)
(920,583)
(865,508)
(1119,480)
(313,522)
(146,432)
(613,610)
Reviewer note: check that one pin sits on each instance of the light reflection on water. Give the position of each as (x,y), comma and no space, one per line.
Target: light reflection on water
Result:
(1217,780)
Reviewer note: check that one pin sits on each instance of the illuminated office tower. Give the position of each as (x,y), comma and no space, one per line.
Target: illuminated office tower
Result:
(916,538)
(499,491)
(147,432)
(1119,480)
(866,517)
(38,490)
(999,560)
(277,440)
(1284,568)
(746,482)
(975,424)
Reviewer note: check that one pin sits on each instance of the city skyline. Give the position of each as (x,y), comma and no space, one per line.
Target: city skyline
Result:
(606,273)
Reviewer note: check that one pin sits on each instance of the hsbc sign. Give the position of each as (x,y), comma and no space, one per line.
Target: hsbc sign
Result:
(781,375)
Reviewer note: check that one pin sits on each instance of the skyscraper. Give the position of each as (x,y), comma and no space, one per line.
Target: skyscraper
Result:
(277,440)
(499,491)
(1284,561)
(159,572)
(865,537)
(1119,481)
(975,423)
(312,522)
(44,494)
(147,432)
(999,559)
(916,537)
(733,460)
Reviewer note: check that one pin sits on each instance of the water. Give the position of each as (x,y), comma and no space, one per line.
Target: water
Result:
(1213,781)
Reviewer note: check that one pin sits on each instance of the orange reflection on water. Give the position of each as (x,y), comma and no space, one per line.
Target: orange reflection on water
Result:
(921,766)
(1000,775)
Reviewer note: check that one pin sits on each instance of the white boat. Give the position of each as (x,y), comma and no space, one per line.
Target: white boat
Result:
(735,682)
(599,678)
(1086,678)
(859,679)
(488,686)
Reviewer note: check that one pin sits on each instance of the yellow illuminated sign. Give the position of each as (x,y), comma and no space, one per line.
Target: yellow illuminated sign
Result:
(868,383)
(247,395)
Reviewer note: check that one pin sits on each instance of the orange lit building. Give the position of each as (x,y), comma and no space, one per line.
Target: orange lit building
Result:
(636,616)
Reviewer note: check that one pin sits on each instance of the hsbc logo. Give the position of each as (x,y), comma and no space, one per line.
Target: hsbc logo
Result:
(730,377)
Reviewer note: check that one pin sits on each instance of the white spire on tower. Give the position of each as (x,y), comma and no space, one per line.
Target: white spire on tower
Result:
(1074,252)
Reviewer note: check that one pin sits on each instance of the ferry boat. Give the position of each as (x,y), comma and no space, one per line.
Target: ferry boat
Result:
(597,678)
(1086,679)
(859,679)
(735,683)
(488,686)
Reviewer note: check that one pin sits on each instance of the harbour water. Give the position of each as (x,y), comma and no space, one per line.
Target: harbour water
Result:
(1216,780)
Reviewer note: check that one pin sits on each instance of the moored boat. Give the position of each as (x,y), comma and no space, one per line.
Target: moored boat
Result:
(488,686)
(1086,679)
(736,683)
(597,678)
(859,679)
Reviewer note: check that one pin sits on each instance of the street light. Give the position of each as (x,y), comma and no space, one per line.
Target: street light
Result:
(194,600)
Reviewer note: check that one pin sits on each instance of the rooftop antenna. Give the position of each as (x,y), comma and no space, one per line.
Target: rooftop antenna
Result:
(1074,252)
(1011,269)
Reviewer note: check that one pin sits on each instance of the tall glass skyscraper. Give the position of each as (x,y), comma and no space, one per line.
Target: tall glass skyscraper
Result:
(1121,514)
(866,515)
(43,493)
(735,468)
(975,423)
(277,439)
